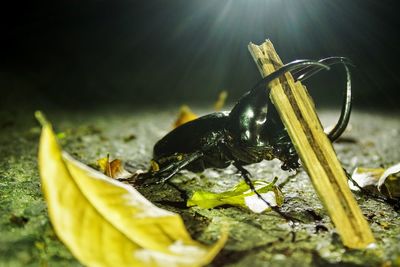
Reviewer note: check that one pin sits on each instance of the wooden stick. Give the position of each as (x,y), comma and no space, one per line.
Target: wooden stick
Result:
(317,155)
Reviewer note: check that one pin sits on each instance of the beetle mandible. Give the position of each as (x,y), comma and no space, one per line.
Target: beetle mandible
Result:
(251,132)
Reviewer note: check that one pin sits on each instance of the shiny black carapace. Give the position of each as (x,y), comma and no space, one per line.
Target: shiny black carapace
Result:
(251,132)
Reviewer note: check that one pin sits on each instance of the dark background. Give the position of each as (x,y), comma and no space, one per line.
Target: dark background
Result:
(89,54)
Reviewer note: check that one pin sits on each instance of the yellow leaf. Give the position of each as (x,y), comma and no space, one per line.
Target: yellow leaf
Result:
(185,115)
(219,104)
(107,223)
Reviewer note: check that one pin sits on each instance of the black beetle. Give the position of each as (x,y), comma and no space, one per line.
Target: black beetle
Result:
(251,132)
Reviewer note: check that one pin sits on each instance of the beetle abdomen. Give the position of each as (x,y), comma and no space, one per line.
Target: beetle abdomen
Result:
(189,137)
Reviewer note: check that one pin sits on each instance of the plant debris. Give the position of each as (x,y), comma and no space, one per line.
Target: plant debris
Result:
(113,169)
(129,138)
(19,220)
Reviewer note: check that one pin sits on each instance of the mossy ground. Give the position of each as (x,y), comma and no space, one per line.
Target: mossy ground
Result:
(27,238)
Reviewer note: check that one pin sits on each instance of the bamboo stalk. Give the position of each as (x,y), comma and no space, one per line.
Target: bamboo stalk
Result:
(317,155)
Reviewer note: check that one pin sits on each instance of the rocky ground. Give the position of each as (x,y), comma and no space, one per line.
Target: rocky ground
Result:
(27,239)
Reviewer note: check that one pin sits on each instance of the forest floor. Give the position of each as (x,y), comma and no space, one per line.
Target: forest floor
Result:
(27,238)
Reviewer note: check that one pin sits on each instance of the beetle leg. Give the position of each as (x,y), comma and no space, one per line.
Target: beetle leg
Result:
(166,173)
(180,165)
(246,176)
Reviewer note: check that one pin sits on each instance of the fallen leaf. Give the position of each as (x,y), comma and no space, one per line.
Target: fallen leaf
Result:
(185,115)
(365,177)
(389,172)
(114,168)
(107,223)
(240,195)
(219,104)
(383,180)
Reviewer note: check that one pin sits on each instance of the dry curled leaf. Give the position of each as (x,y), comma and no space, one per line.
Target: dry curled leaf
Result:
(114,168)
(107,223)
(240,195)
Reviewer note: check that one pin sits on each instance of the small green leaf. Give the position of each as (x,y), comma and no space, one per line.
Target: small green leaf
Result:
(61,135)
(240,195)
